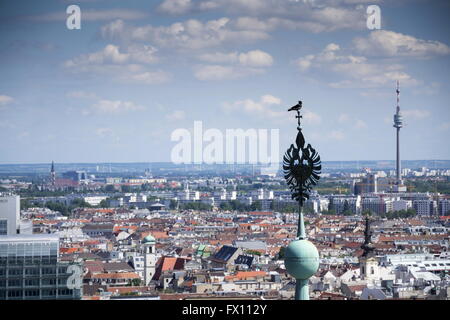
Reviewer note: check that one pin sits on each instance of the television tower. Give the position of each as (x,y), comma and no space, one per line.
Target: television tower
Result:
(398,123)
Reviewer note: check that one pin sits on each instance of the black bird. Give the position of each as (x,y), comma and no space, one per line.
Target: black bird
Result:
(297,107)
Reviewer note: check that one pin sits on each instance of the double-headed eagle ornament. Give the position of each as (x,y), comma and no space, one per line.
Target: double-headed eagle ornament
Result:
(301,165)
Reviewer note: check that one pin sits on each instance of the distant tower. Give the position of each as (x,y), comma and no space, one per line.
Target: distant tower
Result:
(53,174)
(398,123)
(149,251)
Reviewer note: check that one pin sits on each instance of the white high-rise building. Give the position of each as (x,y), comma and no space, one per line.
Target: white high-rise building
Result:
(399,205)
(9,214)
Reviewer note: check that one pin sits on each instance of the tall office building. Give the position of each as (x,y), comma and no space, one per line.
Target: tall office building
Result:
(368,184)
(30,270)
(9,214)
(29,266)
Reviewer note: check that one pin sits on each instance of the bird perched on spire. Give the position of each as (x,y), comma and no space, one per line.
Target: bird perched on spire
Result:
(297,107)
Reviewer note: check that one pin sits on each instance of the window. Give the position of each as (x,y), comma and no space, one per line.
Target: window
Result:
(15,272)
(14,283)
(62,270)
(15,293)
(31,282)
(48,270)
(48,282)
(3,227)
(32,271)
(64,292)
(31,293)
(48,293)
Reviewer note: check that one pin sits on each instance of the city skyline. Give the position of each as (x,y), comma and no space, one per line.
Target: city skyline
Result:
(116,89)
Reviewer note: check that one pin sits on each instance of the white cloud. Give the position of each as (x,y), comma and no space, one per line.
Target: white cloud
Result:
(253,58)
(218,72)
(414,114)
(311,117)
(306,15)
(104,132)
(130,66)
(343,118)
(81,95)
(4,100)
(23,135)
(115,106)
(111,55)
(237,65)
(267,106)
(189,34)
(256,58)
(336,135)
(357,71)
(114,29)
(175,7)
(176,115)
(445,126)
(220,57)
(360,124)
(269,99)
(393,44)
(93,15)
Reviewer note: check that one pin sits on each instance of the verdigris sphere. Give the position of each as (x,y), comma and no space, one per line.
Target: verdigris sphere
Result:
(301,259)
(149,239)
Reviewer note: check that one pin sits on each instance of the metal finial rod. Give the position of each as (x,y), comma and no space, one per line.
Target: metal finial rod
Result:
(298,116)
(398,96)
(301,232)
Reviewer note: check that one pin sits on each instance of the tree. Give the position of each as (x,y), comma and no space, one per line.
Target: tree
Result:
(256,205)
(56,206)
(80,203)
(253,252)
(134,282)
(110,188)
(173,204)
(103,204)
(346,210)
(226,206)
(331,206)
(125,188)
(25,204)
(281,253)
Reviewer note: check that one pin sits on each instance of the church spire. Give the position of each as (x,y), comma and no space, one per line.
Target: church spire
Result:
(53,174)
(368,246)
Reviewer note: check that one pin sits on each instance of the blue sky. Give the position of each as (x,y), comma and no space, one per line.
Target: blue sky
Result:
(137,70)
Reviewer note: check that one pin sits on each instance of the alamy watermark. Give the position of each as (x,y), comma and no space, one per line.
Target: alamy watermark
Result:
(235,146)
(73,21)
(373,17)
(74,280)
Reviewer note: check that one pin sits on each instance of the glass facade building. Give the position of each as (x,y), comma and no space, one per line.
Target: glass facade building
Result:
(30,270)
